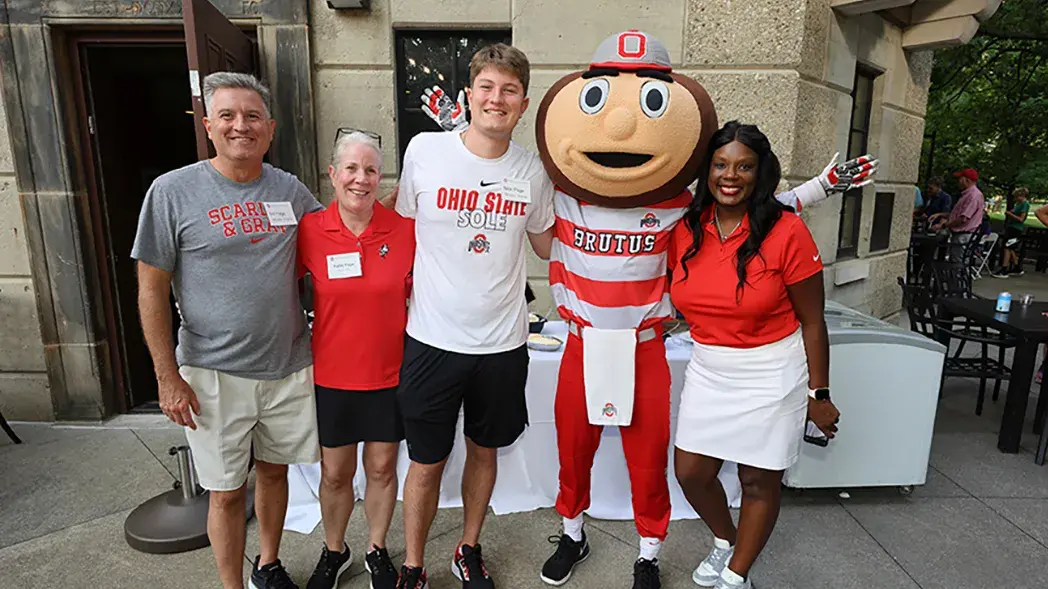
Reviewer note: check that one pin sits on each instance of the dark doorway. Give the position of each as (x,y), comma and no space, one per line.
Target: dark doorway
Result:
(141,125)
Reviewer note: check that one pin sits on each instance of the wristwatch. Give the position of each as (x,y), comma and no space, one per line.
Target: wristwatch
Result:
(820,394)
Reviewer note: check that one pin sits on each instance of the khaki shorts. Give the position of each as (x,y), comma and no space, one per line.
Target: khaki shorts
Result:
(275,419)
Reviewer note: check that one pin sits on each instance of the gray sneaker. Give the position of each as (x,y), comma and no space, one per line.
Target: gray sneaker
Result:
(709,570)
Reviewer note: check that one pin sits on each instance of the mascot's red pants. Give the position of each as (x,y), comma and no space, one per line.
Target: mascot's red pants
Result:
(645,441)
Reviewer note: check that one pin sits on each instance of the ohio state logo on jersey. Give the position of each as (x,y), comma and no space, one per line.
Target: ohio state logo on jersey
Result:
(650,221)
(479,244)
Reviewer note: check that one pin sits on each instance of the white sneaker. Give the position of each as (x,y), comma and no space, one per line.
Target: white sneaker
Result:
(722,584)
(709,570)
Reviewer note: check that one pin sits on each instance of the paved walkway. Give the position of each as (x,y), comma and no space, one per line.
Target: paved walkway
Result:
(981,520)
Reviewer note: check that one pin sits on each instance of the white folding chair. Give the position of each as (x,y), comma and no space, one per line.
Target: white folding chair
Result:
(981,259)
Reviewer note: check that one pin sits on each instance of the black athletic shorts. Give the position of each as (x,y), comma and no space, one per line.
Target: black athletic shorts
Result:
(351,417)
(1013,233)
(435,383)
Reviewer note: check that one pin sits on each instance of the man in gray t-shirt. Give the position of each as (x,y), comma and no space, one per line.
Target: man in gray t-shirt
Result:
(222,234)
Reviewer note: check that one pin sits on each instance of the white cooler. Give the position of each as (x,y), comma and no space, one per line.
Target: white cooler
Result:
(885,382)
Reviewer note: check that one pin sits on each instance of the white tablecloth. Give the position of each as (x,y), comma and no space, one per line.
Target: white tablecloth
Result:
(527,476)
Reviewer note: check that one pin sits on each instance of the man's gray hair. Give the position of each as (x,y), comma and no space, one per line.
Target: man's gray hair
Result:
(354,138)
(219,80)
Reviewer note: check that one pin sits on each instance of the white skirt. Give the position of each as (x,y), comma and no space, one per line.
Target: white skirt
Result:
(746,405)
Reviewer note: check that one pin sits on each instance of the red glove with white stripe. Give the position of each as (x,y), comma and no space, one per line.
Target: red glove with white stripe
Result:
(854,173)
(835,179)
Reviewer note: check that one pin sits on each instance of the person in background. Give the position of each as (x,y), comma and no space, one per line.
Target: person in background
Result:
(1014,228)
(937,201)
(964,220)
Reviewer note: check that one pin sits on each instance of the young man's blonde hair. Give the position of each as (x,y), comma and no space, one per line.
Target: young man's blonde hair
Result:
(503,57)
(1021,191)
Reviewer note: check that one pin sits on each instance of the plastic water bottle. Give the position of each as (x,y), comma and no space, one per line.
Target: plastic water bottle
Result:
(1004,302)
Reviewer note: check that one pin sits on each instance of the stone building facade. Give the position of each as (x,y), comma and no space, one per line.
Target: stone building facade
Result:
(818,76)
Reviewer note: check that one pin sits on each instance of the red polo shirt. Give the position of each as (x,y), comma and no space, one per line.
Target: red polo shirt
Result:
(707,297)
(358,322)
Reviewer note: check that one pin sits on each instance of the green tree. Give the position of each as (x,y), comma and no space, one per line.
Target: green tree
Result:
(988,103)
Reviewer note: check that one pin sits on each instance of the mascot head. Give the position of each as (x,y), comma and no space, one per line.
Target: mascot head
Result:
(628,132)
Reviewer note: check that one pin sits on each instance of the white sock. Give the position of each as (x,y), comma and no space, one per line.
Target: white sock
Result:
(732,577)
(722,544)
(649,548)
(573,527)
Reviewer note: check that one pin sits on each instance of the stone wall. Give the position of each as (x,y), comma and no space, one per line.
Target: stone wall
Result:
(24,389)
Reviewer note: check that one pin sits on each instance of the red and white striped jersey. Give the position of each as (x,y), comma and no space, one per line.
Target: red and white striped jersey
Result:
(608,266)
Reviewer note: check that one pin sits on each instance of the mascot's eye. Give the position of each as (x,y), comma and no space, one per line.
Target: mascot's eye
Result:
(594,96)
(654,98)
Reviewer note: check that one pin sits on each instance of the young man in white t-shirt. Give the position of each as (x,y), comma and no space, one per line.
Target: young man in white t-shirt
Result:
(474,196)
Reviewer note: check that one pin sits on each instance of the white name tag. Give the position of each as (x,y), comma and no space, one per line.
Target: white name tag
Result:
(280,213)
(344,266)
(516,190)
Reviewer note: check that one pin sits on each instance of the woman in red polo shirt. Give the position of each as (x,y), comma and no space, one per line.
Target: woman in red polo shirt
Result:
(747,276)
(360,255)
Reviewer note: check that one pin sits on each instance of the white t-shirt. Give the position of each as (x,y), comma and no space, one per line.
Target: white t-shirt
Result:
(470,266)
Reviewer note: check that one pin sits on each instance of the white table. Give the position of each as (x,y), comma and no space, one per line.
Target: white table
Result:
(528,470)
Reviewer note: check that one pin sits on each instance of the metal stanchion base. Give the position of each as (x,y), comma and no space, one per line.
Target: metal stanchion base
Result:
(170,522)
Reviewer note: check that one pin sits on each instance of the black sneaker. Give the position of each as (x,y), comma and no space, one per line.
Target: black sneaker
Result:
(558,567)
(412,578)
(468,566)
(380,567)
(271,576)
(329,568)
(646,574)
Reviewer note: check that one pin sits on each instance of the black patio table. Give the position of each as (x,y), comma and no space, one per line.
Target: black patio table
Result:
(1029,325)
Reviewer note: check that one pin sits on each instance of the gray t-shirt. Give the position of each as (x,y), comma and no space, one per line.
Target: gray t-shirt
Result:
(233,272)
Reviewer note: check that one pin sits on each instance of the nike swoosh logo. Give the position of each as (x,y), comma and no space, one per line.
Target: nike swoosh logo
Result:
(815,258)
(484,184)
(256,239)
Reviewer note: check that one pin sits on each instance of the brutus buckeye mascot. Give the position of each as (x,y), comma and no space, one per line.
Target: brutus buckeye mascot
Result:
(621,142)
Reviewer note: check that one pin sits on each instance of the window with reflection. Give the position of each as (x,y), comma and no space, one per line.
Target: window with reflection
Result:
(433,58)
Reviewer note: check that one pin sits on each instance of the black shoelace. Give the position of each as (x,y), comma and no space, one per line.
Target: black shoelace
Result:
(475,563)
(329,563)
(409,578)
(381,563)
(565,548)
(278,579)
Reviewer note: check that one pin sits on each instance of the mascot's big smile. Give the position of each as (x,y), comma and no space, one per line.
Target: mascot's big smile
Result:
(618,159)
(622,167)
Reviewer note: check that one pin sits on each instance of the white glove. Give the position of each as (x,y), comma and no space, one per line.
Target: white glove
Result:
(451,116)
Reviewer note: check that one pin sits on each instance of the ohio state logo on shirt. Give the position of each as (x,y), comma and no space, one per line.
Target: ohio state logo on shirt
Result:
(609,410)
(479,244)
(650,221)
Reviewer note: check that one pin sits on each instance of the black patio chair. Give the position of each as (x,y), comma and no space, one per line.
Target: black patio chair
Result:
(7,429)
(926,320)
